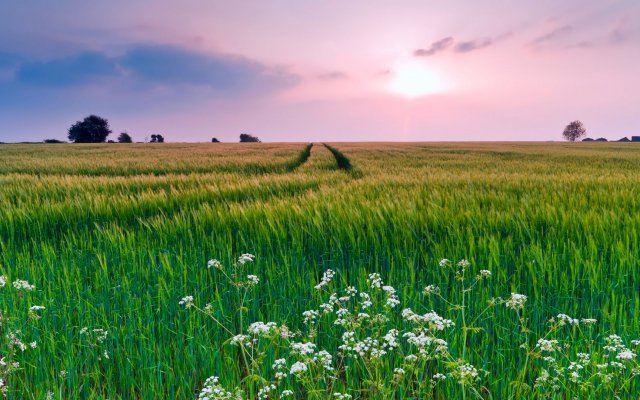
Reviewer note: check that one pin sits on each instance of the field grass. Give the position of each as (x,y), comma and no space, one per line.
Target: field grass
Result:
(113,236)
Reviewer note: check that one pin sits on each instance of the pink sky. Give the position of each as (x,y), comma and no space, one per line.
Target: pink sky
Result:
(294,70)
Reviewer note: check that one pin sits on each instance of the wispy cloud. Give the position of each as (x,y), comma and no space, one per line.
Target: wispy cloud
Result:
(551,37)
(465,46)
(477,44)
(333,76)
(436,47)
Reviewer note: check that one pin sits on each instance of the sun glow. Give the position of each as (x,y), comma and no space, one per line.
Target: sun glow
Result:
(413,79)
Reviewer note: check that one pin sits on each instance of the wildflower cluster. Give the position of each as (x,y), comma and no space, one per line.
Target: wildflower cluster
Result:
(373,332)
(13,341)
(362,333)
(96,339)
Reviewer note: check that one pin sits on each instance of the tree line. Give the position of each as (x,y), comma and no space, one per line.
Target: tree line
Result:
(95,129)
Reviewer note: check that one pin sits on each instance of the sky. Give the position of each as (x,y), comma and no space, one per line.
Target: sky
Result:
(307,70)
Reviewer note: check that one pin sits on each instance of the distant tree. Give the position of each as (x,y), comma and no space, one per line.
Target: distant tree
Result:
(215,140)
(54,141)
(246,138)
(125,138)
(573,131)
(92,129)
(157,139)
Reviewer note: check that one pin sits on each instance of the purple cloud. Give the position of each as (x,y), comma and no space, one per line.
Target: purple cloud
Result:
(552,36)
(333,76)
(436,47)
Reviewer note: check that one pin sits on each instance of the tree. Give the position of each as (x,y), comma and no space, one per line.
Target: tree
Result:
(125,138)
(246,138)
(92,129)
(157,139)
(52,141)
(215,140)
(573,131)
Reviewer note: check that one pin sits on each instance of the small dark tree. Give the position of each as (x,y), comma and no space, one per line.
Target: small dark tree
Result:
(92,129)
(215,140)
(125,138)
(573,131)
(52,141)
(246,138)
(157,139)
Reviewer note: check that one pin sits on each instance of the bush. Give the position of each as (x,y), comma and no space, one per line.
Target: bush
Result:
(125,138)
(246,138)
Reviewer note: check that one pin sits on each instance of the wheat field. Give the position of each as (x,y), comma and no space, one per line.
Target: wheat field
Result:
(114,237)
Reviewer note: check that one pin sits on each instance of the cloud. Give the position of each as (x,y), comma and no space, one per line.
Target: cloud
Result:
(466,47)
(169,65)
(620,33)
(552,36)
(436,47)
(157,66)
(477,44)
(459,46)
(333,76)
(8,60)
(69,71)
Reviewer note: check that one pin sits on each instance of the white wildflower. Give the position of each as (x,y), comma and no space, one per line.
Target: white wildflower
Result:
(262,329)
(444,262)
(626,355)
(310,316)
(252,280)
(279,364)
(22,285)
(375,281)
(245,258)
(547,345)
(326,278)
(214,264)
(431,289)
(516,301)
(298,368)
(366,300)
(238,339)
(483,274)
(302,348)
(186,301)
(439,377)
(564,319)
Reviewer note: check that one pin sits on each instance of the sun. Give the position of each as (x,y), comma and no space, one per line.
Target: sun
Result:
(413,79)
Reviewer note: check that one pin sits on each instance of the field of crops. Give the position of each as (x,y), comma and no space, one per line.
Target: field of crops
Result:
(115,237)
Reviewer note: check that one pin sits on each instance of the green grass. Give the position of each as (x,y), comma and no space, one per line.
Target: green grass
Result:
(114,235)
